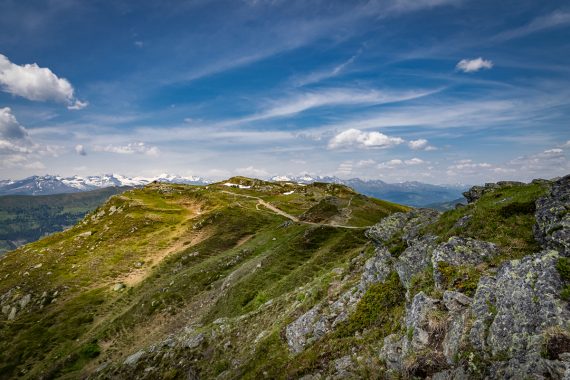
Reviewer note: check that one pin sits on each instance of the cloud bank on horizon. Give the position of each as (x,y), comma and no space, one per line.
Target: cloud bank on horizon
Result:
(439,91)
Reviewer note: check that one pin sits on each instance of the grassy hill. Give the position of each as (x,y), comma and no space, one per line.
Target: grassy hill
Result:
(27,218)
(247,279)
(167,259)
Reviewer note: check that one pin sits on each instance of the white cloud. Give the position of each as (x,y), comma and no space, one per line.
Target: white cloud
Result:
(473,65)
(251,171)
(80,150)
(77,105)
(365,163)
(17,150)
(414,161)
(359,139)
(36,83)
(420,144)
(131,148)
(9,126)
(392,164)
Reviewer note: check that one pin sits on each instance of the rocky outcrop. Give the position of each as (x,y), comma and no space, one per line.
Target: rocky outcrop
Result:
(460,252)
(407,224)
(552,227)
(513,310)
(415,259)
(476,192)
(325,316)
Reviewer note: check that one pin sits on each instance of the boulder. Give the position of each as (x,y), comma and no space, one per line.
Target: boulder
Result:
(552,229)
(512,312)
(134,358)
(460,251)
(414,259)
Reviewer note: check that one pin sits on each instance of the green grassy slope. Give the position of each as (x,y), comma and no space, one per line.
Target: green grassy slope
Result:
(27,218)
(188,257)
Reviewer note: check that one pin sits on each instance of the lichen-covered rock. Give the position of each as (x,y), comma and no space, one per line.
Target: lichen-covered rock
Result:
(458,373)
(377,268)
(324,317)
(457,305)
(414,259)
(419,321)
(512,311)
(392,352)
(407,224)
(552,227)
(460,251)
(302,329)
(134,358)
(476,192)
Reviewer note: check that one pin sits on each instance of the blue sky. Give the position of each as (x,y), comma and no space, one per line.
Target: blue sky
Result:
(439,91)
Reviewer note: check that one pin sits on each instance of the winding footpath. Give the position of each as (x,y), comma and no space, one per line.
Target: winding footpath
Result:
(289,216)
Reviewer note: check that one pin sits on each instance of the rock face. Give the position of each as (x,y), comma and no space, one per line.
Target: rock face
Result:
(476,192)
(513,310)
(460,252)
(324,317)
(552,227)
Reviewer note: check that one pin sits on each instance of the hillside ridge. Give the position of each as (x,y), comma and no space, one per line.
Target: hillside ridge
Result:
(225,287)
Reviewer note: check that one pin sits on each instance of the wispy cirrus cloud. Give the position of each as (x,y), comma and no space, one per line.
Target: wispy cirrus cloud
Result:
(552,20)
(318,76)
(332,97)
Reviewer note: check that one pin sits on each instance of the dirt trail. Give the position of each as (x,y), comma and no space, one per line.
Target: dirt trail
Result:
(289,216)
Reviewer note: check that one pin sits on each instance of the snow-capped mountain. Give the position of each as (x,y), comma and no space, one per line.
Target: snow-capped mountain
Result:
(51,184)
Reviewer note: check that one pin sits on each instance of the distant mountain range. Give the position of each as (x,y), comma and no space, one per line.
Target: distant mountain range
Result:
(408,193)
(52,184)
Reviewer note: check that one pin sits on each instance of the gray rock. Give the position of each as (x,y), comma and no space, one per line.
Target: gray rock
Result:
(458,373)
(303,328)
(513,310)
(377,268)
(134,358)
(392,352)
(119,287)
(476,192)
(457,324)
(552,227)
(414,259)
(25,300)
(12,315)
(342,366)
(418,322)
(194,341)
(455,301)
(463,221)
(408,224)
(460,251)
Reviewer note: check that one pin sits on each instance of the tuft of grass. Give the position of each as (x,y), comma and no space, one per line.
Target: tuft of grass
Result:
(461,278)
(381,307)
(504,216)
